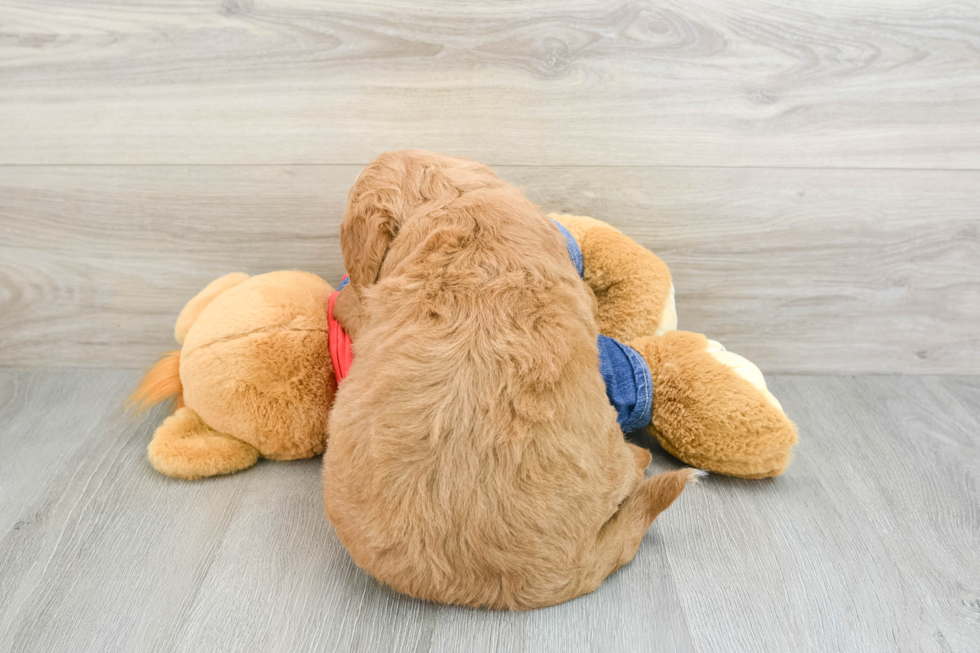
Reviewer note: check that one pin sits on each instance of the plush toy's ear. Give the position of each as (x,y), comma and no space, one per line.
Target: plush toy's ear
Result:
(365,235)
(193,309)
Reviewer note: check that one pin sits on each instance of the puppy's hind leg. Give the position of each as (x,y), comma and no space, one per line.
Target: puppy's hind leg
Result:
(620,537)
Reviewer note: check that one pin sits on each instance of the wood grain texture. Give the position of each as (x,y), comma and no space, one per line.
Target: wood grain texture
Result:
(867,543)
(799,270)
(876,538)
(583,82)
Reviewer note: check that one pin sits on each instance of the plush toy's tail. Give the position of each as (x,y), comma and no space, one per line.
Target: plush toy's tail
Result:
(160,383)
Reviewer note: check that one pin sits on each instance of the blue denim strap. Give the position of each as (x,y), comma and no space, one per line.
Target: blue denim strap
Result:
(629,384)
(574,251)
(344,281)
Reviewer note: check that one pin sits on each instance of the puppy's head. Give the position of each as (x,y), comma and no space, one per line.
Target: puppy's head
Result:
(391,192)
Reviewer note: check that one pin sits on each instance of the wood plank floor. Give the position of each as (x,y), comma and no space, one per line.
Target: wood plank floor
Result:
(868,543)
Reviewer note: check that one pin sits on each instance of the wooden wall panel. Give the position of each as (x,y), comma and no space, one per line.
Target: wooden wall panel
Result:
(582,82)
(800,270)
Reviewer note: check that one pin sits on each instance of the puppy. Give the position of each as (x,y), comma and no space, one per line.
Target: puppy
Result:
(474,458)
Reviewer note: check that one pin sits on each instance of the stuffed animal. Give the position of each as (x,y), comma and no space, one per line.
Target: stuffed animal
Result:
(711,407)
(253,377)
(260,361)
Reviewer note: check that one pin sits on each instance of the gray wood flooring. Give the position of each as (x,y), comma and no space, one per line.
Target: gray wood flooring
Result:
(868,543)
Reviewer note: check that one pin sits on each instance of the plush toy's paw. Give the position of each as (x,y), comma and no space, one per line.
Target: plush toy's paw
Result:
(185,447)
(712,409)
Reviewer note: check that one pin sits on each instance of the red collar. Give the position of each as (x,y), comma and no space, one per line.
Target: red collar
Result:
(341,349)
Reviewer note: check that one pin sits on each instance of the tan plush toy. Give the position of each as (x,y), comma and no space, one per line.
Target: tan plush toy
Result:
(711,407)
(254,378)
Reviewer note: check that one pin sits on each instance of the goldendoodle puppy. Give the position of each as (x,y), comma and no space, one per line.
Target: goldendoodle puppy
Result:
(474,458)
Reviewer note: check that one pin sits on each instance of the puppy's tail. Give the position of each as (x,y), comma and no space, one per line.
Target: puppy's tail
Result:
(619,538)
(661,490)
(160,383)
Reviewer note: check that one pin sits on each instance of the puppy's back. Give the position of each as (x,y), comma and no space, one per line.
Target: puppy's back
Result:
(473,457)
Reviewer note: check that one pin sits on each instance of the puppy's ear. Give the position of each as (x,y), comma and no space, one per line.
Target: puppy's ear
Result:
(365,234)
(346,310)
